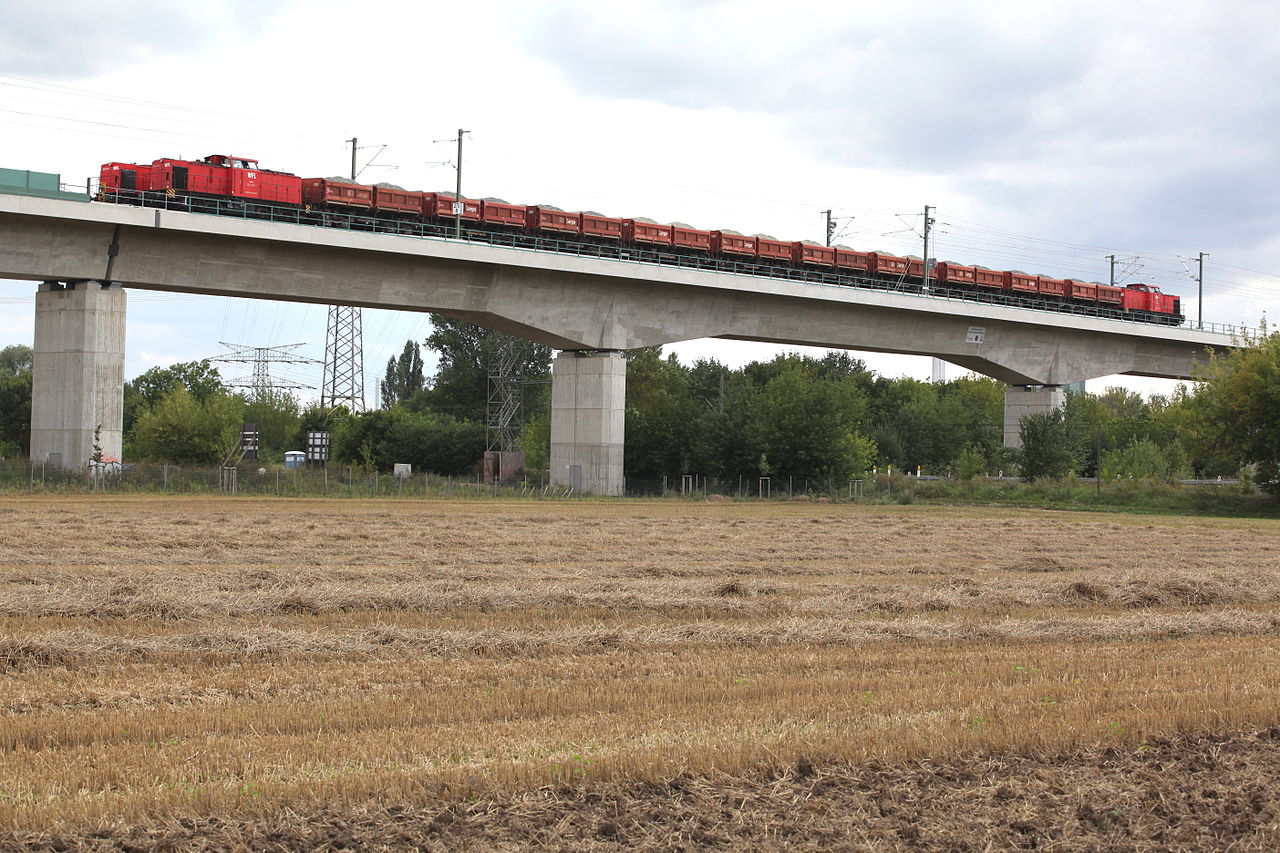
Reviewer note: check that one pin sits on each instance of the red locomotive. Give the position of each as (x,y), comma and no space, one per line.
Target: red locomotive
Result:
(211,184)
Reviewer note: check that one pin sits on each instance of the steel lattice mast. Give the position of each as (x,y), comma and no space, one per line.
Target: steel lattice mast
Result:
(504,397)
(343,383)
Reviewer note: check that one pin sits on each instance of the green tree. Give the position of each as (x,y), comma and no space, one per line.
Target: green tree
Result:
(15,360)
(277,414)
(404,377)
(466,351)
(1142,459)
(198,377)
(971,463)
(435,442)
(361,439)
(1048,449)
(1233,411)
(805,426)
(428,441)
(15,400)
(185,430)
(662,416)
(1089,430)
(979,406)
(535,441)
(905,423)
(316,418)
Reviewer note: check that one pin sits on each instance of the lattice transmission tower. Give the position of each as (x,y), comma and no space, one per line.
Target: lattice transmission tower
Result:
(261,382)
(343,383)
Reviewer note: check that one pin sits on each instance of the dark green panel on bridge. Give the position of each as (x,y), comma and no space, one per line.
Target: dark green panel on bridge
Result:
(40,184)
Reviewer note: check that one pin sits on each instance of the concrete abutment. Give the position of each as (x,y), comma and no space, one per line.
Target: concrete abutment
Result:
(77,383)
(588,419)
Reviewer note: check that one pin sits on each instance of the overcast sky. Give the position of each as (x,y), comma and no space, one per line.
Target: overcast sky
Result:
(1047,135)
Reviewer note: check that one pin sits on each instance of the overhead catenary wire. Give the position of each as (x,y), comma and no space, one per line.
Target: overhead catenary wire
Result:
(964,240)
(39,85)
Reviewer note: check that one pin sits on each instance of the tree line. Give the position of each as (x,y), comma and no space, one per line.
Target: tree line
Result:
(824,419)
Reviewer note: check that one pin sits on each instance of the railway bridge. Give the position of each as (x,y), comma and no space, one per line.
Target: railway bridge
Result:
(590,308)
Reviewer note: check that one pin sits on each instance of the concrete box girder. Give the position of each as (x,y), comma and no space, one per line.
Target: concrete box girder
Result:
(565,301)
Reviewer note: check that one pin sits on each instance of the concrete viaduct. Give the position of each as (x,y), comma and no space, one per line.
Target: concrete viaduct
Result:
(591,309)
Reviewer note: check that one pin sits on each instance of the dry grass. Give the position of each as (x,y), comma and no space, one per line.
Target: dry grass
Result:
(1180,794)
(203,658)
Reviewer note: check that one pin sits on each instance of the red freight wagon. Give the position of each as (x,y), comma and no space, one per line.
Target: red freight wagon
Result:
(915,268)
(501,213)
(440,205)
(1084,291)
(1020,282)
(1146,297)
(728,243)
(595,225)
(125,176)
(1051,286)
(321,191)
(397,201)
(882,264)
(767,247)
(848,259)
(219,175)
(1109,295)
(691,238)
(551,219)
(984,277)
(953,275)
(639,231)
(811,253)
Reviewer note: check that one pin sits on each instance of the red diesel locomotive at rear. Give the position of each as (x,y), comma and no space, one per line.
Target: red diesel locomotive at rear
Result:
(239,178)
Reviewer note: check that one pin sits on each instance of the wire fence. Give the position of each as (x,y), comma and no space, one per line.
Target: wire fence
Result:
(252,480)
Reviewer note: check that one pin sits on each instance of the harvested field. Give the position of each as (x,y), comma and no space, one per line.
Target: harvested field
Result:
(600,675)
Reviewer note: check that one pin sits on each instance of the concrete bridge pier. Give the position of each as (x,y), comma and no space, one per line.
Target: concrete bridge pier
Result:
(588,417)
(77,382)
(1022,400)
